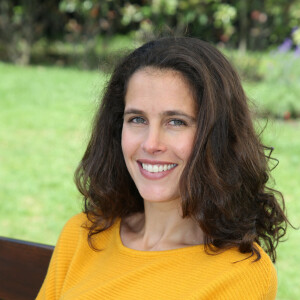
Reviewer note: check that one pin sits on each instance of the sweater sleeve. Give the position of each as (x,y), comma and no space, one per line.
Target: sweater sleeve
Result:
(271,291)
(243,278)
(252,280)
(61,259)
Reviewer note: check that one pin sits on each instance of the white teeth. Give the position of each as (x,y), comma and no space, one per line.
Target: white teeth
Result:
(157,168)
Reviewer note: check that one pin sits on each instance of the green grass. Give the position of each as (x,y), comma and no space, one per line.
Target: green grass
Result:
(284,137)
(45,115)
(45,121)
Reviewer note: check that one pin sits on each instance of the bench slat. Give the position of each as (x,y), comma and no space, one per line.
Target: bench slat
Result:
(23,266)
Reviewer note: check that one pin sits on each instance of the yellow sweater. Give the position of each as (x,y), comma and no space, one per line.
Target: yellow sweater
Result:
(118,272)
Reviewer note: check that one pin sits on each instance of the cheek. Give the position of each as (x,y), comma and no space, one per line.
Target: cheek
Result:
(185,148)
(129,143)
(124,143)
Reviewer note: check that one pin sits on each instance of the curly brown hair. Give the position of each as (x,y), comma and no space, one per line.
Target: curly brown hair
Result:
(223,186)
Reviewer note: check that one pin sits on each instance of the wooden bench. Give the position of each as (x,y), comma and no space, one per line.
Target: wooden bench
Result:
(23,266)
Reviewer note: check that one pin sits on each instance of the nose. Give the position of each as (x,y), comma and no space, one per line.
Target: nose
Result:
(154,141)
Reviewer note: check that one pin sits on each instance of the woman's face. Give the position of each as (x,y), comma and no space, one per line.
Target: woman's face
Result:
(158,132)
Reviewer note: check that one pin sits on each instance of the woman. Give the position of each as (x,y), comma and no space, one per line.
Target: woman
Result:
(174,182)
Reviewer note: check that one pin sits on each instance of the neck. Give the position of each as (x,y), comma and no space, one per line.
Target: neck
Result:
(161,227)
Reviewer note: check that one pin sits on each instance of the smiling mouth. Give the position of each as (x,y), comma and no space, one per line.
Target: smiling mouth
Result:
(158,167)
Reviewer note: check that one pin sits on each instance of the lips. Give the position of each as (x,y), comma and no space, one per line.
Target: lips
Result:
(155,169)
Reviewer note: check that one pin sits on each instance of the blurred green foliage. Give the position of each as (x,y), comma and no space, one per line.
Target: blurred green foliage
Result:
(242,24)
(278,94)
(271,80)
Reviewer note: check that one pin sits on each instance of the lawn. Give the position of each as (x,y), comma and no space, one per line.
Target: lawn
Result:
(45,114)
(45,122)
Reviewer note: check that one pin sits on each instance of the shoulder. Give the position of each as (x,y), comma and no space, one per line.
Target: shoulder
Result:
(72,233)
(74,227)
(75,234)
(75,223)
(245,275)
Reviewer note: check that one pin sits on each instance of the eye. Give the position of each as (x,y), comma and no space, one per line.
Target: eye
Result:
(177,122)
(137,120)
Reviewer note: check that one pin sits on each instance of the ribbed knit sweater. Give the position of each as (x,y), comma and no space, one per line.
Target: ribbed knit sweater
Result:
(117,272)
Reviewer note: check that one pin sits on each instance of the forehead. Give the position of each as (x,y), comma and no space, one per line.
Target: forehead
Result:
(159,87)
(169,75)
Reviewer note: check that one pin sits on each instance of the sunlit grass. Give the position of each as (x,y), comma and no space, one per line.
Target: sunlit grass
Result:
(45,115)
(285,138)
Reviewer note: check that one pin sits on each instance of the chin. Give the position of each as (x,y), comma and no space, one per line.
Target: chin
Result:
(158,195)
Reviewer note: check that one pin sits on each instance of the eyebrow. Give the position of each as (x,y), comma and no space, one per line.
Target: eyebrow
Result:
(167,113)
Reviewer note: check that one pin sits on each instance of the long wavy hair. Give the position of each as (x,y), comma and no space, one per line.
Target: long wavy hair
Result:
(223,186)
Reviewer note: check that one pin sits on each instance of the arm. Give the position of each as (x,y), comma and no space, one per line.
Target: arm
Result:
(61,259)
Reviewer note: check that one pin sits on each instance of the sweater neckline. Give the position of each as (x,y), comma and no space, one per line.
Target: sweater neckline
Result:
(133,252)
